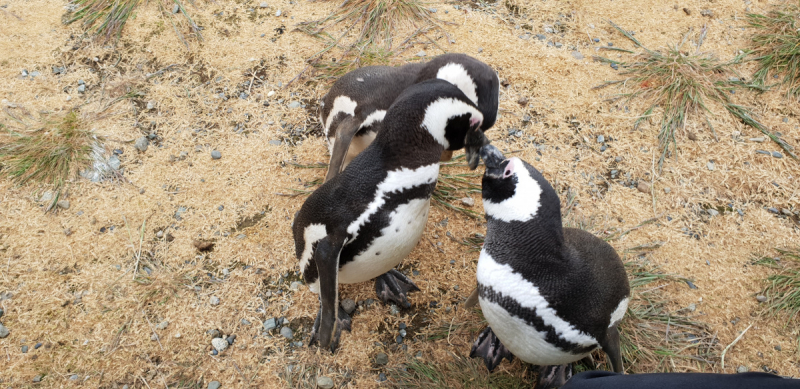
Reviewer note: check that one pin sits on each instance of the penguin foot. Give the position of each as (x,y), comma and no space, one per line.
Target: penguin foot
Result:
(488,347)
(553,376)
(343,322)
(394,287)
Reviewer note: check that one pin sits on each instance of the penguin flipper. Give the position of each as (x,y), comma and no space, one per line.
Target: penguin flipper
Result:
(344,136)
(489,347)
(393,286)
(326,257)
(553,376)
(611,347)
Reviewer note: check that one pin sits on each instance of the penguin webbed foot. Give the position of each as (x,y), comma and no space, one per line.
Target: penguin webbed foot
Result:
(489,347)
(393,286)
(553,376)
(343,322)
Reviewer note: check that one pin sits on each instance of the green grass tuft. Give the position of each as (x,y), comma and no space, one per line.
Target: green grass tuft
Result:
(51,154)
(776,45)
(682,85)
(783,289)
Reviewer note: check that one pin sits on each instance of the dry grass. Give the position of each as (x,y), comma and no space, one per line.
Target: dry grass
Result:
(682,85)
(458,372)
(106,19)
(776,45)
(783,289)
(51,153)
(367,32)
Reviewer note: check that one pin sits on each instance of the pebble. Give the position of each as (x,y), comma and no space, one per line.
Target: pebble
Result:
(786,212)
(219,344)
(36,347)
(777,154)
(294,104)
(614,66)
(707,13)
(162,325)
(348,305)
(759,140)
(643,187)
(3,331)
(324,382)
(141,144)
(270,324)
(712,212)
(216,154)
(468,201)
(214,352)
(271,93)
(763,152)
(399,339)
(214,385)
(160,234)
(422,53)
(214,300)
(667,190)
(24,349)
(176,8)
(778,348)
(773,210)
(278,13)
(74,377)
(287,332)
(402,326)
(245,322)
(601,139)
(263,4)
(523,101)
(214,333)
(402,333)
(81,88)
(761,298)
(275,142)
(742,369)
(231,339)
(151,104)
(381,359)
(382,377)
(710,165)
(38,378)
(577,55)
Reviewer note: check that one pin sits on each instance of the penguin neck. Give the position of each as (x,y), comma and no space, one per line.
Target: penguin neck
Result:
(410,149)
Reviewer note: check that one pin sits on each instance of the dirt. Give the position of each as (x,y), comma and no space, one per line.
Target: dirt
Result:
(76,293)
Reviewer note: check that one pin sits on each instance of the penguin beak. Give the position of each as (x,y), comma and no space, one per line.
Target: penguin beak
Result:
(493,159)
(474,141)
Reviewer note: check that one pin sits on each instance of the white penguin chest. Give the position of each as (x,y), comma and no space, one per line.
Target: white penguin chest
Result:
(395,242)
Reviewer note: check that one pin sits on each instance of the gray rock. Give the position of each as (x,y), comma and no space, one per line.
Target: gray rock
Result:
(559,45)
(541,37)
(176,8)
(81,88)
(287,332)
(162,325)
(403,333)
(761,298)
(3,331)
(759,139)
(141,144)
(324,382)
(710,165)
(74,377)
(219,344)
(245,322)
(742,369)
(381,359)
(214,333)
(601,139)
(160,234)
(382,377)
(46,196)
(348,305)
(270,324)
(214,300)
(295,285)
(667,190)
(777,154)
(707,13)
(214,385)
(275,142)
(216,154)
(25,349)
(786,212)
(151,104)
(773,210)
(263,4)
(765,152)
(468,201)
(577,55)
(294,104)
(712,212)
(38,378)
(422,53)
(64,204)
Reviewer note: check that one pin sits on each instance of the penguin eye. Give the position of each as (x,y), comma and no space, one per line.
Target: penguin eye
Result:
(508,172)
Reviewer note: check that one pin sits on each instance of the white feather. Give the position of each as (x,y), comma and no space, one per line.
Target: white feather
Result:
(438,112)
(375,116)
(455,74)
(522,206)
(619,312)
(340,104)
(311,234)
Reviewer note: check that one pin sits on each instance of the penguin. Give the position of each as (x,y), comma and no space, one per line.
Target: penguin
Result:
(352,111)
(363,222)
(550,294)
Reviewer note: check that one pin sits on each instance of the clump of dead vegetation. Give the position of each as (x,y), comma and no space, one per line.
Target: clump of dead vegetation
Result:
(681,85)
(51,153)
(106,19)
(776,45)
(783,288)
(458,372)
(365,32)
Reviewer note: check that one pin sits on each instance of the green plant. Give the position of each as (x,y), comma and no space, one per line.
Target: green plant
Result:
(783,289)
(776,45)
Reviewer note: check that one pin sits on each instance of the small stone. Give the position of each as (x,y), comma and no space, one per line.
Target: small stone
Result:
(24,349)
(601,139)
(214,333)
(271,93)
(759,140)
(761,298)
(399,339)
(176,8)
(324,382)
(667,190)
(74,377)
(270,324)
(278,13)
(162,325)
(81,88)
(773,210)
(402,326)
(381,359)
(687,11)
(37,379)
(348,305)
(214,385)
(230,339)
(275,142)
(712,212)
(577,55)
(786,212)
(778,348)
(214,300)
(765,152)
(382,377)
(287,332)
(468,201)
(3,331)
(36,347)
(141,144)
(777,154)
(263,4)
(614,66)
(219,344)
(216,154)
(177,335)
(643,187)
(160,234)
(710,165)
(294,104)
(707,13)
(63,204)
(295,285)
(245,322)
(742,369)
(403,333)
(150,105)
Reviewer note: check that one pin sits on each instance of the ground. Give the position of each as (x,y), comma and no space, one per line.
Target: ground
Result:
(67,277)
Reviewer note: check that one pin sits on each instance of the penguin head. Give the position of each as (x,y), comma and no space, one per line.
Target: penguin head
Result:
(448,115)
(514,190)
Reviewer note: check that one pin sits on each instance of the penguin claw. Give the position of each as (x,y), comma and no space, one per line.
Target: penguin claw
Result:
(343,322)
(489,347)
(394,286)
(553,376)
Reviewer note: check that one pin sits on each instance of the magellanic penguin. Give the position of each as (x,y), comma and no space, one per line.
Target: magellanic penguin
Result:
(367,219)
(551,295)
(352,111)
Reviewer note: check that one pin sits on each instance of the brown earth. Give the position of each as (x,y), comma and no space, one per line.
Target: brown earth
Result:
(76,294)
